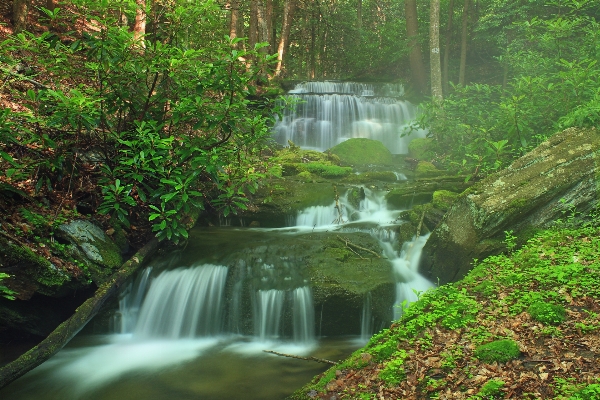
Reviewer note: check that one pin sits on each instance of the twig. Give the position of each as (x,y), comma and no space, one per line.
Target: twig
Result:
(23,77)
(420,224)
(350,244)
(321,360)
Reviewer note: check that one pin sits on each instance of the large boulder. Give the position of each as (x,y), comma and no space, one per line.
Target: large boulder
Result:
(557,178)
(361,151)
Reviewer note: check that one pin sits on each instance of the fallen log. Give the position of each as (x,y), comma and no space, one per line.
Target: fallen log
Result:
(84,313)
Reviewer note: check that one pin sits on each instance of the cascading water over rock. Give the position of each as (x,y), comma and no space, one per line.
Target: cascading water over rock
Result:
(327,113)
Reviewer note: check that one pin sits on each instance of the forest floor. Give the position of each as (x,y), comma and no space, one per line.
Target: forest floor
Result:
(540,305)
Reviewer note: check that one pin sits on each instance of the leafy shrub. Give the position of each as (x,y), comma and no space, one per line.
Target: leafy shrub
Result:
(552,314)
(498,351)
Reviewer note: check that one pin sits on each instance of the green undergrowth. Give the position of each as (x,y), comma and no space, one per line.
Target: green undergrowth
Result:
(509,309)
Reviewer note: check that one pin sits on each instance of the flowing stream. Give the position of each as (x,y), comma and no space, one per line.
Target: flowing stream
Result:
(194,324)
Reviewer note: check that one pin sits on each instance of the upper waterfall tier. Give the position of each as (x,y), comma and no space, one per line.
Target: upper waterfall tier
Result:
(327,113)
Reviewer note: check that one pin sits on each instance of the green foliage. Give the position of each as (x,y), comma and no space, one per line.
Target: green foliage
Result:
(492,389)
(324,170)
(4,291)
(552,314)
(551,64)
(178,126)
(590,392)
(499,351)
(393,372)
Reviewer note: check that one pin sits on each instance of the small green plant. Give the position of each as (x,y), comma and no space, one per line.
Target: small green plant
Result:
(550,314)
(393,371)
(492,389)
(590,392)
(4,291)
(510,241)
(499,351)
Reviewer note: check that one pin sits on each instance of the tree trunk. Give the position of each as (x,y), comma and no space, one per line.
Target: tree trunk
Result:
(269,20)
(448,41)
(286,26)
(359,16)
(253,34)
(434,48)
(417,68)
(139,26)
(234,20)
(84,313)
(463,44)
(19,15)
(262,26)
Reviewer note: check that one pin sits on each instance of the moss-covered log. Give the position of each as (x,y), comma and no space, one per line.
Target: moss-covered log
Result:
(68,329)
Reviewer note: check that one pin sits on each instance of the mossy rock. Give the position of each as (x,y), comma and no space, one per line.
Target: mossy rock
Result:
(535,191)
(360,151)
(426,169)
(421,148)
(91,245)
(443,199)
(550,314)
(499,351)
(371,176)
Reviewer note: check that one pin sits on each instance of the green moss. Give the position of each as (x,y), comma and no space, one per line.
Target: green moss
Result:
(360,151)
(370,176)
(551,314)
(306,176)
(492,389)
(427,169)
(443,199)
(421,149)
(499,351)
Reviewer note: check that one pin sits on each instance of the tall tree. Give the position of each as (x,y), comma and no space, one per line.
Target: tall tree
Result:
(417,69)
(463,44)
(234,17)
(19,15)
(359,16)
(262,26)
(448,41)
(434,51)
(253,34)
(139,26)
(286,26)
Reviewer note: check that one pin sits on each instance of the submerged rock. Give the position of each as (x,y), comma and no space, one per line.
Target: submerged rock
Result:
(558,177)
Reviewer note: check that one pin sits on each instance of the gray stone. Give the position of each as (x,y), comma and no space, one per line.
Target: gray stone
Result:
(532,193)
(89,243)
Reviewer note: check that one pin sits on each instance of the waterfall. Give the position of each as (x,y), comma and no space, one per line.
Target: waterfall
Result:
(130,302)
(304,315)
(267,314)
(327,113)
(366,322)
(409,281)
(183,303)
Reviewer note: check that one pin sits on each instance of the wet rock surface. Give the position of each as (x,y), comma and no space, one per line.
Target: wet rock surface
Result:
(558,178)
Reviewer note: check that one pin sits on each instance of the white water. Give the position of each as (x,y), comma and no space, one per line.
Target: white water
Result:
(183,303)
(373,209)
(303,315)
(267,317)
(327,113)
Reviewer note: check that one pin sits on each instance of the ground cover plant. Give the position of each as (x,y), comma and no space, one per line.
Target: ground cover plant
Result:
(483,337)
